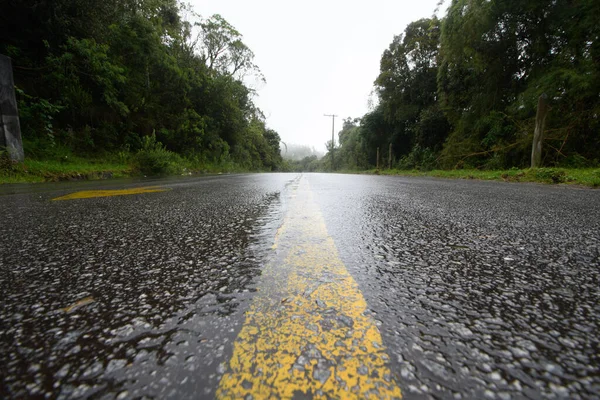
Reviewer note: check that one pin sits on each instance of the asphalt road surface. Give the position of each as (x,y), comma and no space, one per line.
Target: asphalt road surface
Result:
(299,286)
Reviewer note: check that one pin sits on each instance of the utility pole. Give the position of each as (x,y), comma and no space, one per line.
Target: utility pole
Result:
(332,138)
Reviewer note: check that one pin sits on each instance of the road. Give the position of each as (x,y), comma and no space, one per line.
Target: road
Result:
(299,285)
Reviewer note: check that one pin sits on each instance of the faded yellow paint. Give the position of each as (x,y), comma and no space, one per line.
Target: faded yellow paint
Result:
(86,194)
(308,330)
(279,233)
(78,304)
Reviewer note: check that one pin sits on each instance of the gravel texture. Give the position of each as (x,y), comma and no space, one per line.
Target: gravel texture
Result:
(480,289)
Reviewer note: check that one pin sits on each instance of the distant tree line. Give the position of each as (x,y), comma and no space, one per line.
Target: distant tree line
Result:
(100,76)
(295,152)
(461,92)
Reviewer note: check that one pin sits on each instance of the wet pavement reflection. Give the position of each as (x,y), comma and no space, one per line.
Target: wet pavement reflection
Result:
(479,289)
(482,290)
(129,296)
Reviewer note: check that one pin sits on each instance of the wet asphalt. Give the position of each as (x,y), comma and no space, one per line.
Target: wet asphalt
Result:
(479,289)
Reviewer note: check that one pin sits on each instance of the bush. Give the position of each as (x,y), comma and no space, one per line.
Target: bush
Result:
(418,158)
(6,164)
(46,148)
(9,167)
(154,159)
(495,162)
(576,160)
(551,175)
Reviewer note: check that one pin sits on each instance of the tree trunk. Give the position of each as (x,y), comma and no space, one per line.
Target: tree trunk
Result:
(538,134)
(10,129)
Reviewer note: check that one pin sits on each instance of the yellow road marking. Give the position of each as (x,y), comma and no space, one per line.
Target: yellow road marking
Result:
(86,194)
(78,304)
(307,331)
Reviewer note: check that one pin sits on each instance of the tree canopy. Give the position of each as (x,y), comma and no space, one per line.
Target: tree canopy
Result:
(461,91)
(456,91)
(101,76)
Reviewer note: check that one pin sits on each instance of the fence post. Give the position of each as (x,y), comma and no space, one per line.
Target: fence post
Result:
(538,133)
(10,129)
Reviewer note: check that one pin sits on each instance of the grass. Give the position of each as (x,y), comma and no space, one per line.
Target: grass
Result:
(76,168)
(32,170)
(584,177)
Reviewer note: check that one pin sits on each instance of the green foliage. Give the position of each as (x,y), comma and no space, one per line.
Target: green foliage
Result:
(223,50)
(418,158)
(307,164)
(462,92)
(98,76)
(407,89)
(154,159)
(431,128)
(36,115)
(550,175)
(499,57)
(586,177)
(46,148)
(6,164)
(575,160)
(123,156)
(351,155)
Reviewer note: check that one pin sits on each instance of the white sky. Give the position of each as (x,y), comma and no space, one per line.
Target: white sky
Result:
(318,57)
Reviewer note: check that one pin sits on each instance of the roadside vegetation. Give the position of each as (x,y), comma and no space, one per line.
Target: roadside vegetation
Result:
(457,96)
(583,177)
(63,165)
(128,87)
(70,169)
(132,87)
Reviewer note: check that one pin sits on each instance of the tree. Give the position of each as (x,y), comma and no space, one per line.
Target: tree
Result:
(98,76)
(351,153)
(223,50)
(498,57)
(407,88)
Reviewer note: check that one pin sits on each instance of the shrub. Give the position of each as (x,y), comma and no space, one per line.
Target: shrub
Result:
(7,165)
(552,175)
(576,160)
(154,159)
(5,161)
(46,148)
(419,158)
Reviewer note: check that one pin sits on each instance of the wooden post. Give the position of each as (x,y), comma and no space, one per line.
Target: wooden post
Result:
(10,130)
(390,158)
(332,139)
(378,159)
(538,133)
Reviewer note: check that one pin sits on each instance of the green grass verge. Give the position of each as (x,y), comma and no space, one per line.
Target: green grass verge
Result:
(584,177)
(87,169)
(76,168)
(52,171)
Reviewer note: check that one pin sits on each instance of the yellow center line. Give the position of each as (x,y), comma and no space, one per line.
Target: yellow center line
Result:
(307,332)
(87,194)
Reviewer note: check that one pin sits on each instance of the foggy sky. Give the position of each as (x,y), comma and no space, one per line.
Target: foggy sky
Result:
(318,57)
